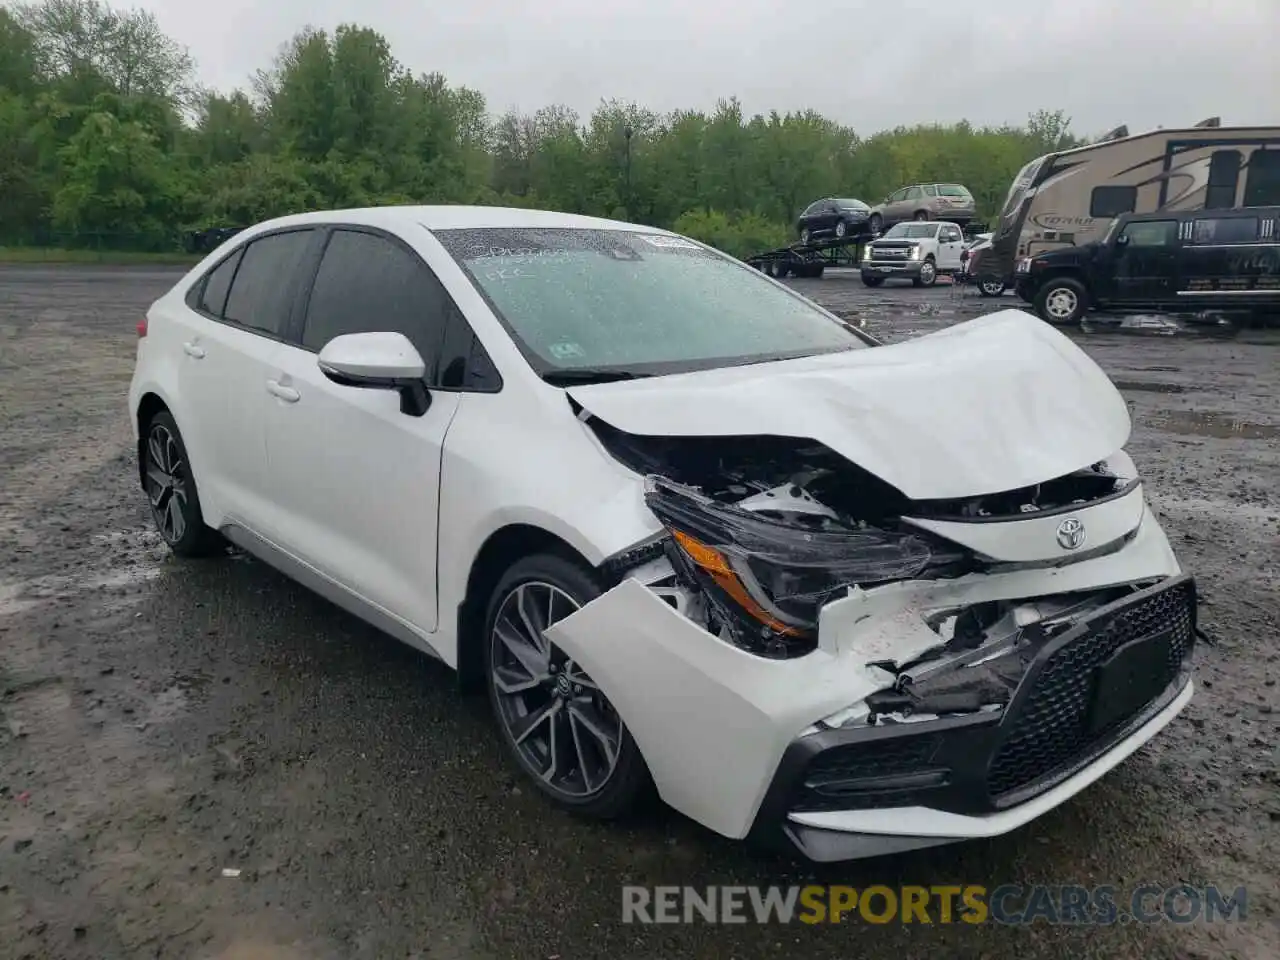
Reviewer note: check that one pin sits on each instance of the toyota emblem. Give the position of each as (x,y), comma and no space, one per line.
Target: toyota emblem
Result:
(1070,533)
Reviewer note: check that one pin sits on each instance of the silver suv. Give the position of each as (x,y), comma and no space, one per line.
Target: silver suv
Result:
(924,201)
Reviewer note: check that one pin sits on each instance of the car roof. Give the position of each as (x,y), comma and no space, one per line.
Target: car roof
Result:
(452,217)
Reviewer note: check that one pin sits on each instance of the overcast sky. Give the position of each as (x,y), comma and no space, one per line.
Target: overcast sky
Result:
(868,63)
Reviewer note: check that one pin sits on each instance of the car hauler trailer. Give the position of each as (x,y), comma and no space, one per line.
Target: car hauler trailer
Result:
(810,260)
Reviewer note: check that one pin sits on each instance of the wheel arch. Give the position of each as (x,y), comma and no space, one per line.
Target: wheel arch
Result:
(500,550)
(149,404)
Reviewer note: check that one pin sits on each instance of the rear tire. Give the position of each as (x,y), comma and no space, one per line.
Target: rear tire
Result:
(921,215)
(805,235)
(171,491)
(869,281)
(842,228)
(991,287)
(1062,302)
(876,223)
(534,593)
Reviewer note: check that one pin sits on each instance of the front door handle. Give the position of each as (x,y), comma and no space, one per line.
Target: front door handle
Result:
(193,350)
(287,394)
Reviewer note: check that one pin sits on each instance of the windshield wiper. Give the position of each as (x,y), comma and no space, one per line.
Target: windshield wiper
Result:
(577,375)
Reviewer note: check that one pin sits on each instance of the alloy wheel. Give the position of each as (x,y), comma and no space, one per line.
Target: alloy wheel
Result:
(927,273)
(1061,303)
(167,487)
(565,731)
(992,288)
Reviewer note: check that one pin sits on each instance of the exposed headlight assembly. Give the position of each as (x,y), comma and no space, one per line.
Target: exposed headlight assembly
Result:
(770,577)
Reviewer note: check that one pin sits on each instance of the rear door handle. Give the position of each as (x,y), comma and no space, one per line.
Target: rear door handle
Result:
(193,350)
(287,394)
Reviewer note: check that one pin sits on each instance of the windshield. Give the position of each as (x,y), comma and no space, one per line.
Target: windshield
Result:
(911,230)
(852,205)
(616,300)
(1021,183)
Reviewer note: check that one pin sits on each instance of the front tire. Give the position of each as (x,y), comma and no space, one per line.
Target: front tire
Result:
(805,235)
(922,215)
(559,728)
(871,281)
(842,228)
(171,490)
(991,287)
(876,223)
(1062,302)
(928,274)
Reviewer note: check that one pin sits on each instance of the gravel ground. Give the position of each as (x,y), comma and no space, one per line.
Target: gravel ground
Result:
(161,721)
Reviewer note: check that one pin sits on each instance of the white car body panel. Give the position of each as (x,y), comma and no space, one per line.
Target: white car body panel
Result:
(340,502)
(713,721)
(1032,538)
(388,514)
(989,405)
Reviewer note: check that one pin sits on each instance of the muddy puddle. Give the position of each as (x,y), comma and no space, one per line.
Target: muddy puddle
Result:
(1208,424)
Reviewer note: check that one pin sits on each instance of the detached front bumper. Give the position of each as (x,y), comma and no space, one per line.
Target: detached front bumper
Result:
(737,743)
(1091,698)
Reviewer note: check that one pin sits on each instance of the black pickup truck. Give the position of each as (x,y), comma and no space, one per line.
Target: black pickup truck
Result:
(1171,261)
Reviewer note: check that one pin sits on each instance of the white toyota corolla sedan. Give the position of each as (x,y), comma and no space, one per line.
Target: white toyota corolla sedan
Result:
(690,530)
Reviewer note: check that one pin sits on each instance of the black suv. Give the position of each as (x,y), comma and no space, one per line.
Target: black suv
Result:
(1185,260)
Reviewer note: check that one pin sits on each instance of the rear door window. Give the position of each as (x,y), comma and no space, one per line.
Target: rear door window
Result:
(213,298)
(261,296)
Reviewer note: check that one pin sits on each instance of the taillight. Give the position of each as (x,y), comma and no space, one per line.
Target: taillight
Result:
(142,327)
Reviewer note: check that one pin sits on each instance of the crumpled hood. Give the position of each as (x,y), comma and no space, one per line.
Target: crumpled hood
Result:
(989,405)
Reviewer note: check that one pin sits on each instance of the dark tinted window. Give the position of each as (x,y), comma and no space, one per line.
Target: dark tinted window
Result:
(1152,233)
(214,297)
(813,208)
(953,190)
(262,293)
(1224,174)
(1226,230)
(1112,201)
(367,283)
(1262,188)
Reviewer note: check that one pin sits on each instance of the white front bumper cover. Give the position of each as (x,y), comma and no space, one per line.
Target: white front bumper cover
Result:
(727,734)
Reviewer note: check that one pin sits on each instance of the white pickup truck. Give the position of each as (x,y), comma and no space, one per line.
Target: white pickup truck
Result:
(919,251)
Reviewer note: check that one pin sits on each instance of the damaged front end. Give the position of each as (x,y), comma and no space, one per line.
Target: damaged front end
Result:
(949,660)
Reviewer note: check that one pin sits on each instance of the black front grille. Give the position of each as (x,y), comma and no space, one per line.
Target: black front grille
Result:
(1050,730)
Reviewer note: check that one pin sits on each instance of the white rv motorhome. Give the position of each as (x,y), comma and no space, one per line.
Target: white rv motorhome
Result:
(1069,198)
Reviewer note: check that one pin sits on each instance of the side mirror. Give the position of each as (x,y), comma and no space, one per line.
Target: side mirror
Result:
(1122,240)
(378,361)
